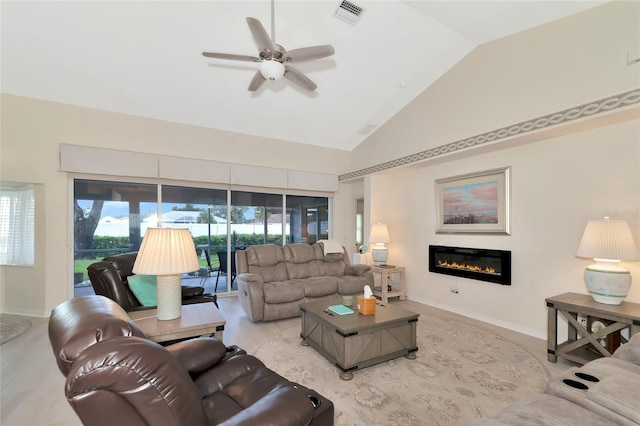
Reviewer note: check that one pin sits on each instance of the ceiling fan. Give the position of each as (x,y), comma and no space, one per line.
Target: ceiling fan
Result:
(275,61)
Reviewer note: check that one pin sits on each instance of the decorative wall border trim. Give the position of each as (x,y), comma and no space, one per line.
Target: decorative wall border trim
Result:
(554,119)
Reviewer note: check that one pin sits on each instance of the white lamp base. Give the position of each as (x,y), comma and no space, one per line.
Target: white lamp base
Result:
(169,297)
(380,254)
(607,283)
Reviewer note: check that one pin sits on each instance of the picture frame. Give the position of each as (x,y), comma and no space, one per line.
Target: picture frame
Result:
(474,203)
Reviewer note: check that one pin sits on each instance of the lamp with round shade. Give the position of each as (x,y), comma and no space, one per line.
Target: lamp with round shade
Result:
(607,242)
(167,253)
(379,235)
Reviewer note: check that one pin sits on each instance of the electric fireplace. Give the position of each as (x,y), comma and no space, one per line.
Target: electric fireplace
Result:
(478,264)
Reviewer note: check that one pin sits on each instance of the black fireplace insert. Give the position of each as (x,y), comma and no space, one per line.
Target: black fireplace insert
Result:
(478,264)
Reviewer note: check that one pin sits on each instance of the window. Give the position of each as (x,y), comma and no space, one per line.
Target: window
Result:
(309,219)
(17,225)
(256,218)
(112,217)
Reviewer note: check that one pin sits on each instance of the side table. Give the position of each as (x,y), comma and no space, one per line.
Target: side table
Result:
(198,319)
(388,287)
(583,343)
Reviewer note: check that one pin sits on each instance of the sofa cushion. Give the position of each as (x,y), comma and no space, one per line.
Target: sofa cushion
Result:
(301,261)
(319,286)
(267,261)
(283,291)
(332,264)
(618,393)
(543,410)
(145,288)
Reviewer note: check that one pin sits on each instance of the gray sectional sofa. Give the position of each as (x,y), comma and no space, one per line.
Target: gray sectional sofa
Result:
(273,281)
(602,392)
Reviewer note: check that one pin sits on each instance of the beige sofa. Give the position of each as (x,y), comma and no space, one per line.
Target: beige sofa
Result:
(602,392)
(273,281)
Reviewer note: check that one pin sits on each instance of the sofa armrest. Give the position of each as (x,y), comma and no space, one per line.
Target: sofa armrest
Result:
(198,354)
(251,295)
(358,269)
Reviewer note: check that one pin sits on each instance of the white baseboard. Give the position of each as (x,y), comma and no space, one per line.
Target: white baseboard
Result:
(26,313)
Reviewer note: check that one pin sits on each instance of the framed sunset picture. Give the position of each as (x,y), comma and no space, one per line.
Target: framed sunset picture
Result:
(474,203)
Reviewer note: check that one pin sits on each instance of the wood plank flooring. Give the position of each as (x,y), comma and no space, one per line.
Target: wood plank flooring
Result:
(33,388)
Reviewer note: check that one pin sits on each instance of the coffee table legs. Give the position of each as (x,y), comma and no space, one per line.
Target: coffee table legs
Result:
(411,355)
(346,375)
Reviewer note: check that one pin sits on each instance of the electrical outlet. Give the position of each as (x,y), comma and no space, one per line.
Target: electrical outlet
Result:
(582,320)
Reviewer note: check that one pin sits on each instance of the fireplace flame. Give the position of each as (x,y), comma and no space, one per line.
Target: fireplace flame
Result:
(464,266)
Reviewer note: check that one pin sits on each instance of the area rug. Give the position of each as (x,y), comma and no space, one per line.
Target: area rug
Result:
(461,372)
(11,327)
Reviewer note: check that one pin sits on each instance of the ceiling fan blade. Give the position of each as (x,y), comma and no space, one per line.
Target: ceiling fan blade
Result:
(298,78)
(309,53)
(230,56)
(260,35)
(256,82)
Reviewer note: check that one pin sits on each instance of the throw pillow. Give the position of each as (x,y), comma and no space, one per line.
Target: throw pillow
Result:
(145,288)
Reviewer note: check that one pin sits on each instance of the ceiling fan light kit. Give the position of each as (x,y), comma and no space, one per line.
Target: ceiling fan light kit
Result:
(272,70)
(274,59)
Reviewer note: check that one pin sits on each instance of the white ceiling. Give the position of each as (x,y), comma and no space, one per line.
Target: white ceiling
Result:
(144,58)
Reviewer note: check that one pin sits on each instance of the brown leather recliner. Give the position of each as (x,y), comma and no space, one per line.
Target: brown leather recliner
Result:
(109,278)
(115,375)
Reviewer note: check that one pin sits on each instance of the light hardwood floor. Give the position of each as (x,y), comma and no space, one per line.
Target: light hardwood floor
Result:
(33,387)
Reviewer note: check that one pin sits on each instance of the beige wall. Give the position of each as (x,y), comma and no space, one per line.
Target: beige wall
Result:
(556,66)
(557,186)
(32,131)
(559,182)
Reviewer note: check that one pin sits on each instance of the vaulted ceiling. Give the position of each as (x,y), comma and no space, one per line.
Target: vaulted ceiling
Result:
(144,58)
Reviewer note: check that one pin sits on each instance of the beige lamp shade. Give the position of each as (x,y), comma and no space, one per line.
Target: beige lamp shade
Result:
(167,253)
(607,242)
(607,239)
(379,234)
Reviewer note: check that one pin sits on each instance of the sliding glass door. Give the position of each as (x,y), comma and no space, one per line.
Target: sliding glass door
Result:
(108,218)
(112,217)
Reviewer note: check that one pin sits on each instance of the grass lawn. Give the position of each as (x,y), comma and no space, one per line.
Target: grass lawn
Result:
(80,265)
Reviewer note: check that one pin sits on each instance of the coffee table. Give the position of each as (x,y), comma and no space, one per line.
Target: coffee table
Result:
(356,341)
(198,319)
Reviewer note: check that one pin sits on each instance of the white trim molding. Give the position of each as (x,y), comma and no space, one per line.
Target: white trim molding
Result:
(555,119)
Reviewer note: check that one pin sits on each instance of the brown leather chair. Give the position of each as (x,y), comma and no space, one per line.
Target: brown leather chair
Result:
(116,376)
(109,278)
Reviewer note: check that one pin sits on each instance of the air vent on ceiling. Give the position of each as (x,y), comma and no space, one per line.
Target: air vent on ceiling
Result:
(349,12)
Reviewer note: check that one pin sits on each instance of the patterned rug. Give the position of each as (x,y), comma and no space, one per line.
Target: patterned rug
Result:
(11,327)
(461,372)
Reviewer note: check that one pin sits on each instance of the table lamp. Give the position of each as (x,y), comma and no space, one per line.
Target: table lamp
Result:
(608,242)
(167,253)
(379,235)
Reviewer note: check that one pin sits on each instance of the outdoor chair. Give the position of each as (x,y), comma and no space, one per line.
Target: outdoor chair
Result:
(209,269)
(222,257)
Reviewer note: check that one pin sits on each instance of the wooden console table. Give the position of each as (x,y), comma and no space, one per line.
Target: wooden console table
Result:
(198,319)
(388,287)
(583,344)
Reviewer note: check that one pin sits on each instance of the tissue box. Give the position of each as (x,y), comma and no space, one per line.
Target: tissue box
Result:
(367,306)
